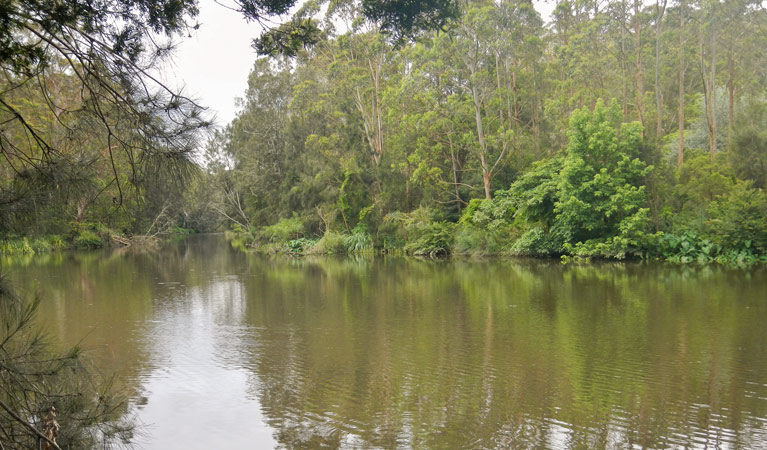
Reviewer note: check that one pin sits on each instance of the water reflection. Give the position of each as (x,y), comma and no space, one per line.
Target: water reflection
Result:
(230,350)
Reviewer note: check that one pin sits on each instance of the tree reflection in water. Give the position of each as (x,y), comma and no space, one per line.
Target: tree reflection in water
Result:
(245,350)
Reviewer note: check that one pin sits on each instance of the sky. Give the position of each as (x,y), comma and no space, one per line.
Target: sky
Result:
(212,65)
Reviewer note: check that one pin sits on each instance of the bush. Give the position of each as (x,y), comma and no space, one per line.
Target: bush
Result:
(391,232)
(16,247)
(56,242)
(485,226)
(331,243)
(357,242)
(739,219)
(690,247)
(25,246)
(592,201)
(87,239)
(430,239)
(282,231)
(181,230)
(420,232)
(300,246)
(537,242)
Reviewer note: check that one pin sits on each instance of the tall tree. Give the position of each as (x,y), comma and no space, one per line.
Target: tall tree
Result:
(682,69)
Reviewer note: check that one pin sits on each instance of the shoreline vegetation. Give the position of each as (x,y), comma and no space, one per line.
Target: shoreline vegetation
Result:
(684,250)
(604,131)
(601,132)
(591,202)
(83,236)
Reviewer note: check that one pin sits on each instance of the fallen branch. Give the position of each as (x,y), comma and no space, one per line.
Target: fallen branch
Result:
(121,240)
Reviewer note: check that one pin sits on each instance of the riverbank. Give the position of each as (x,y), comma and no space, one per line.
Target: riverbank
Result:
(437,240)
(82,236)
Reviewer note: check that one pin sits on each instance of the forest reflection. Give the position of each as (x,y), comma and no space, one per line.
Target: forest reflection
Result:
(392,352)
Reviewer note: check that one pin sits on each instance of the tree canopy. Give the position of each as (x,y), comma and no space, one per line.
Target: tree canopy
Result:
(584,136)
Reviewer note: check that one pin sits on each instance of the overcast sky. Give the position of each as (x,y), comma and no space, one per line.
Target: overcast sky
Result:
(213,64)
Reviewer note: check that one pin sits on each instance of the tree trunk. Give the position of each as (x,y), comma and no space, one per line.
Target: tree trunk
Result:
(456,177)
(709,86)
(516,96)
(486,178)
(499,87)
(482,142)
(660,9)
(480,132)
(639,70)
(731,101)
(682,67)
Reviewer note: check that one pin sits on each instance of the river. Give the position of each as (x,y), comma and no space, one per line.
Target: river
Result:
(223,349)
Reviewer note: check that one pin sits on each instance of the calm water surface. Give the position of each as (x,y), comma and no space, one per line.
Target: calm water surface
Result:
(228,350)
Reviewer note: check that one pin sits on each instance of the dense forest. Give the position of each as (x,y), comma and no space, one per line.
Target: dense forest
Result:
(617,129)
(611,129)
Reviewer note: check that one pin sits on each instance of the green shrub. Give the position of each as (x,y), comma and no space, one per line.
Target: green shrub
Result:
(87,239)
(537,242)
(56,242)
(40,245)
(486,226)
(689,247)
(282,231)
(16,247)
(432,239)
(592,201)
(300,246)
(331,243)
(357,242)
(738,220)
(181,230)
(391,232)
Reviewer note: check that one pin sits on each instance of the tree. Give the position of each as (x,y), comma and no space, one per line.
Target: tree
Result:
(402,20)
(601,192)
(86,66)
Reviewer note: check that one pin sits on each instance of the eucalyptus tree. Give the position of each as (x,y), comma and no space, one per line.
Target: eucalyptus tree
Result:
(474,51)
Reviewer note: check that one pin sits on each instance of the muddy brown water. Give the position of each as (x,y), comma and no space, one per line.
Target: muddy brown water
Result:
(223,349)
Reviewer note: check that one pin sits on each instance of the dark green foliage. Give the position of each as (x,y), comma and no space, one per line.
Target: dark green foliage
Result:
(87,239)
(401,19)
(486,226)
(405,19)
(300,246)
(537,241)
(536,192)
(121,24)
(430,239)
(690,247)
(289,38)
(590,202)
(738,220)
(601,193)
(88,235)
(749,155)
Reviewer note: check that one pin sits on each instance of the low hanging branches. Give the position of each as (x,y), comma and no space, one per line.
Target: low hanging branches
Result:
(79,68)
(49,400)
